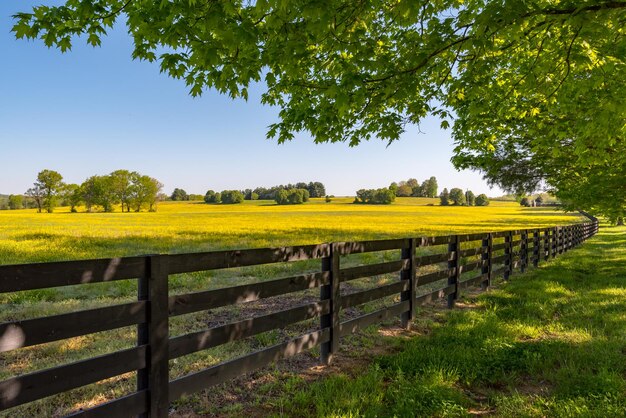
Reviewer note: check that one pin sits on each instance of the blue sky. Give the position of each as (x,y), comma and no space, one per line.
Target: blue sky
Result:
(95,110)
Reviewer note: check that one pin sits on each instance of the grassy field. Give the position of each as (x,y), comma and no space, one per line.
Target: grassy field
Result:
(26,236)
(551,342)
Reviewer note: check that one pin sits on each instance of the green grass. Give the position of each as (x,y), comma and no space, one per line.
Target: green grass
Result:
(551,342)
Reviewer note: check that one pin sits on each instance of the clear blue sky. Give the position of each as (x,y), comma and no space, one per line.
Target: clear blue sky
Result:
(95,110)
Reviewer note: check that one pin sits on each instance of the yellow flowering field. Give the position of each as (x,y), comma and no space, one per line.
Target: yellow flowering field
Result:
(27,236)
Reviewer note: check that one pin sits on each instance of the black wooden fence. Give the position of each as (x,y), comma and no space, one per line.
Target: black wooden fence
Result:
(154,306)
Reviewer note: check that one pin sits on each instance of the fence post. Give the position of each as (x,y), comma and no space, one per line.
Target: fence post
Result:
(555,241)
(408,273)
(454,263)
(508,252)
(524,250)
(536,247)
(486,257)
(153,288)
(330,292)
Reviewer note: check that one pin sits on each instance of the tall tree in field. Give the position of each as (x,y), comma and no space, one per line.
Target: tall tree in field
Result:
(122,187)
(457,196)
(444,197)
(36,194)
(145,192)
(535,83)
(50,183)
(470,198)
(431,187)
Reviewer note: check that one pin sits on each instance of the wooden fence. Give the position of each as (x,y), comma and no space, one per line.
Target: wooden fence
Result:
(497,253)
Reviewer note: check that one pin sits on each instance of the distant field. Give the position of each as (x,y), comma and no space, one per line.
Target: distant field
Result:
(27,236)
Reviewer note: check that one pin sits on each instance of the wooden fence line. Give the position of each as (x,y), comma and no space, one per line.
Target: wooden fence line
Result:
(520,249)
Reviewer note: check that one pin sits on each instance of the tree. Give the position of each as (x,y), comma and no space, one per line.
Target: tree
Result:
(394,188)
(122,187)
(179,195)
(49,183)
(232,196)
(525,202)
(404,191)
(445,197)
(292,196)
(470,198)
(457,196)
(72,196)
(498,67)
(482,200)
(212,197)
(431,187)
(16,201)
(145,192)
(382,196)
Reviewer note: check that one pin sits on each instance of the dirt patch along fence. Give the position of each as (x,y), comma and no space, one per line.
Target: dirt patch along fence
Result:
(441,269)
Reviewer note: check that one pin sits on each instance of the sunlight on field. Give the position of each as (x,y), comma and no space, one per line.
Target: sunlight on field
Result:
(26,236)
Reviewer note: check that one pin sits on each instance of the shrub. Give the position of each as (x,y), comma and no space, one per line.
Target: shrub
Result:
(445,197)
(232,197)
(524,202)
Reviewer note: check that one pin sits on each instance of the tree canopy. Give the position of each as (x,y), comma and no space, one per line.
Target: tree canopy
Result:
(534,88)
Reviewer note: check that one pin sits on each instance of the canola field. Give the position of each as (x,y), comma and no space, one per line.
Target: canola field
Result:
(177,227)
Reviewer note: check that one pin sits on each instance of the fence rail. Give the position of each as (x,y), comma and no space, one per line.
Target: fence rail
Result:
(519,249)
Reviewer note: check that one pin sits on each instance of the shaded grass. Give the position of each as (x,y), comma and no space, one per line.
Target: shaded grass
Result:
(551,342)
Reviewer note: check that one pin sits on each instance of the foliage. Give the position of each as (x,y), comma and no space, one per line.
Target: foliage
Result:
(404,191)
(482,200)
(470,198)
(292,196)
(382,196)
(212,197)
(16,202)
(50,183)
(72,196)
(524,202)
(444,197)
(314,188)
(179,195)
(232,197)
(457,196)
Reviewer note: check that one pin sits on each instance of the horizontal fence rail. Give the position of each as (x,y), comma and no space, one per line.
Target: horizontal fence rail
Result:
(458,261)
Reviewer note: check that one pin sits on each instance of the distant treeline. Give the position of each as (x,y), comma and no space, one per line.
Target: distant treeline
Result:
(283,194)
(130,189)
(386,195)
(458,197)
(428,188)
